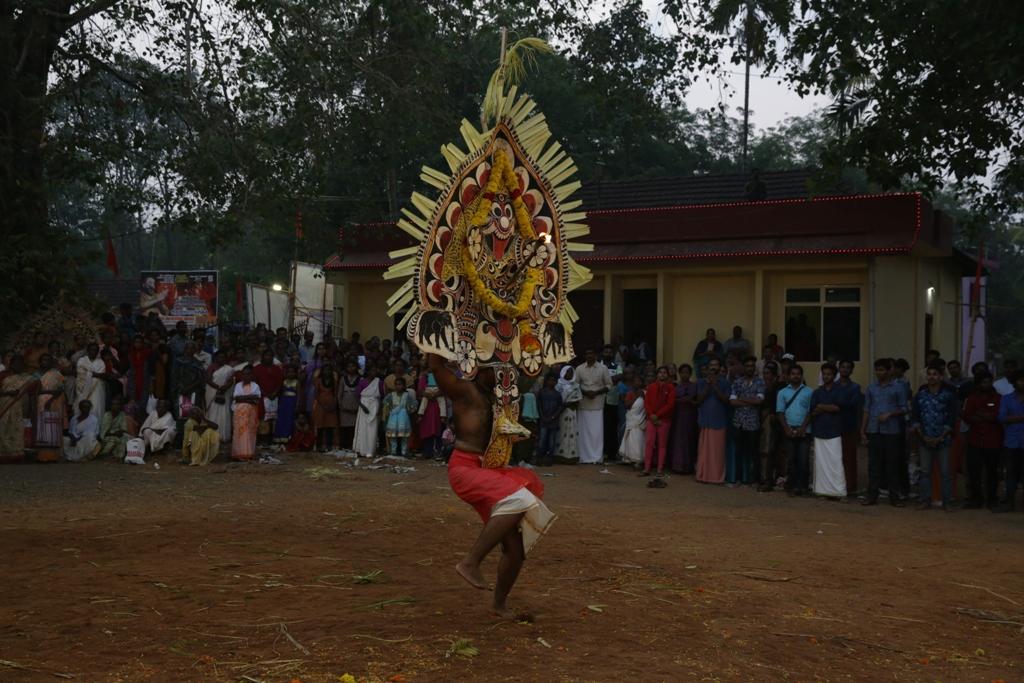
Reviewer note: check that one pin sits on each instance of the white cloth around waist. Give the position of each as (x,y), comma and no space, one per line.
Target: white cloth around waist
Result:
(536,520)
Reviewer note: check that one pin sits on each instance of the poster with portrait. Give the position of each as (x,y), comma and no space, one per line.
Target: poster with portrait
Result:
(180,295)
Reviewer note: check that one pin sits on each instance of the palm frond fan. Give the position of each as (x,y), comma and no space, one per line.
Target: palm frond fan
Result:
(487,284)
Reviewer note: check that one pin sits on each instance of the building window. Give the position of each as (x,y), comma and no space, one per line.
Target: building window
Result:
(823,322)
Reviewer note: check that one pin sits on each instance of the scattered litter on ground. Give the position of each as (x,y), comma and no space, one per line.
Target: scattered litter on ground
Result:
(462,647)
(370,577)
(395,464)
(270,460)
(523,463)
(603,470)
(324,472)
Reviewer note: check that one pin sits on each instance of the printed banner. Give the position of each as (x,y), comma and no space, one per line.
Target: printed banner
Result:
(180,295)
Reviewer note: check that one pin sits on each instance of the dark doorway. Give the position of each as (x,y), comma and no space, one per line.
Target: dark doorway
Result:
(589,329)
(640,316)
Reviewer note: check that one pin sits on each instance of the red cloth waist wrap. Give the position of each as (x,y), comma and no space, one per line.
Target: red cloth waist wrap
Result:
(482,487)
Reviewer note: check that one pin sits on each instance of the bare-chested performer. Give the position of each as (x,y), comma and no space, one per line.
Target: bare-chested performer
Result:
(508,499)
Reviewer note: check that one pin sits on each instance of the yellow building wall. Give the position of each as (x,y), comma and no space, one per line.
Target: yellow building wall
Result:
(899,309)
(367,310)
(945,303)
(691,299)
(695,303)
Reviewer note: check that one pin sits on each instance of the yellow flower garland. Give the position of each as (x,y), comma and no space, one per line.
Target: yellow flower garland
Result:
(502,171)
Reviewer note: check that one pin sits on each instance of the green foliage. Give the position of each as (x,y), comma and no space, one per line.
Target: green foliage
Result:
(926,92)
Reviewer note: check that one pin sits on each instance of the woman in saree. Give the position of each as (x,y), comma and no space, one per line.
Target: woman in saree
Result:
(246,416)
(325,406)
(219,387)
(308,385)
(90,380)
(370,393)
(160,377)
(13,388)
(631,450)
(189,380)
(348,404)
(568,432)
(114,431)
(287,404)
(51,410)
(682,443)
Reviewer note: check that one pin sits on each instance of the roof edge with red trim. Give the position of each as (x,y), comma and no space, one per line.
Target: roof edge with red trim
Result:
(377,259)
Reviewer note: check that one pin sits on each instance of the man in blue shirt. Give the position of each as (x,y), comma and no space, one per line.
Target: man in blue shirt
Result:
(934,416)
(827,424)
(900,367)
(881,429)
(793,409)
(746,396)
(1011,414)
(850,406)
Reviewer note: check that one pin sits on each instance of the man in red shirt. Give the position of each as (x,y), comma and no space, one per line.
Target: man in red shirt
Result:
(984,441)
(269,375)
(659,402)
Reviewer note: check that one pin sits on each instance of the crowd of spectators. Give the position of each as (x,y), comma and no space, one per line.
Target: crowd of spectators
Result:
(726,416)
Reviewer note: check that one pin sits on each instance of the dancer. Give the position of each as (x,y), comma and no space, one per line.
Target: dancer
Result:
(508,499)
(489,293)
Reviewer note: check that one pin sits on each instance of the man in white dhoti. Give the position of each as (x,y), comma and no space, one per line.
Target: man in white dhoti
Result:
(159,428)
(90,373)
(80,443)
(827,428)
(219,386)
(595,381)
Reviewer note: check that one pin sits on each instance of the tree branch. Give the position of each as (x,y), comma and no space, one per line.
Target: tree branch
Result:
(103,66)
(82,14)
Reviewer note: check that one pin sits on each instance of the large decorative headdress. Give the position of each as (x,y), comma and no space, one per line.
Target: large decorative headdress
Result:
(489,279)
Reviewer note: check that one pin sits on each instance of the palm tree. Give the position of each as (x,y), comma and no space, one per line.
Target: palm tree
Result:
(757,20)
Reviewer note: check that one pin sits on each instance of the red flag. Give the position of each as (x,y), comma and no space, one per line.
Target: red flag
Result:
(239,298)
(112,258)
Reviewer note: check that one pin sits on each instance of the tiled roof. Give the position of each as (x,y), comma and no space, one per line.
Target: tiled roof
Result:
(688,190)
(704,217)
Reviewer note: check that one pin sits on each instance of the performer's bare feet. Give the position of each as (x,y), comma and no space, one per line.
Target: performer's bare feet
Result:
(471,573)
(505,612)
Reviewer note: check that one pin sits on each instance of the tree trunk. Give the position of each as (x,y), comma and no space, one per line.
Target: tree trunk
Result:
(27,46)
(30,42)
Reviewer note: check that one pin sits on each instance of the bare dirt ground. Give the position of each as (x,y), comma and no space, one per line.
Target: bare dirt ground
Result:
(246,573)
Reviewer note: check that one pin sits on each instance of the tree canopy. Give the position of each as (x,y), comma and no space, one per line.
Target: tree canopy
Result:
(927,93)
(195,133)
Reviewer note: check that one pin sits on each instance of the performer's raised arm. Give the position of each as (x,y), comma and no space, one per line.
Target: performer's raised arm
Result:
(446,379)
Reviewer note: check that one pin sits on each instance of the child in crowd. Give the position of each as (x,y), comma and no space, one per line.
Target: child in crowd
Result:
(398,409)
(550,403)
(303,438)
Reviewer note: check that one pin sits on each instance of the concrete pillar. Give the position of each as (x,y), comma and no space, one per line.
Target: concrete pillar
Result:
(609,309)
(758,339)
(664,316)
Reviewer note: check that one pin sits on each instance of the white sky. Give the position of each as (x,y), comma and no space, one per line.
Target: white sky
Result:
(771,101)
